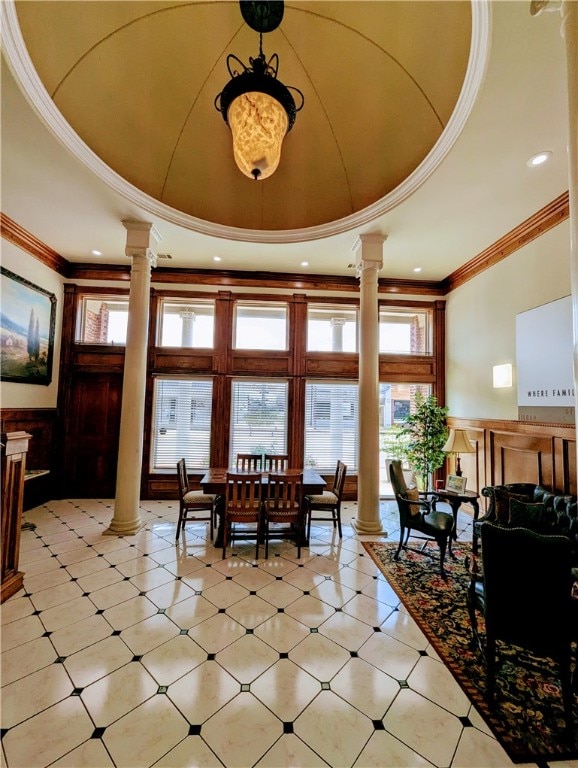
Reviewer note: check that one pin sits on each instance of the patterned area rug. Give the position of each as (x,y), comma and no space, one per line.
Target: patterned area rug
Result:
(528,718)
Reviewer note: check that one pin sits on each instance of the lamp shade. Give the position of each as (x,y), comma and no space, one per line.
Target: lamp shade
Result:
(258,124)
(458,442)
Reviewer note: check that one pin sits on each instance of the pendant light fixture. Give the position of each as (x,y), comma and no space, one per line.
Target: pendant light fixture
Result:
(256,106)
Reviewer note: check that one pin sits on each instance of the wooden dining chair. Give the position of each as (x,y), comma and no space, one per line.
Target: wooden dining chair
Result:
(328,501)
(249,462)
(275,462)
(191,502)
(242,505)
(284,504)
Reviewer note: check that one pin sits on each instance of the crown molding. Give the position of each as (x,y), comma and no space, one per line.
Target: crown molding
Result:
(540,222)
(12,231)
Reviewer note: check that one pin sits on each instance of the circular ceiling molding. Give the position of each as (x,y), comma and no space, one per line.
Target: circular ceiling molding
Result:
(129,88)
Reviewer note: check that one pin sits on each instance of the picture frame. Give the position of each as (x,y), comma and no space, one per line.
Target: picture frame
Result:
(456,483)
(27,323)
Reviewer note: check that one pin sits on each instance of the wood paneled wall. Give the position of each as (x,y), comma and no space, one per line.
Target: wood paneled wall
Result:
(519,452)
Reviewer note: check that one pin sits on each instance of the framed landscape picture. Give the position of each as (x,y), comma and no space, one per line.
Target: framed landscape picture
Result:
(27,320)
(455,483)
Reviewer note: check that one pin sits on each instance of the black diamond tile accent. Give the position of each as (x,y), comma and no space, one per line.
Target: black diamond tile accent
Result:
(47,634)
(314,630)
(184,632)
(36,613)
(60,660)
(353,654)
(177,578)
(126,578)
(279,578)
(207,565)
(27,594)
(101,555)
(141,594)
(307,593)
(194,730)
(85,594)
(403,683)
(358,592)
(249,632)
(255,565)
(210,657)
(422,653)
(77,691)
(136,658)
(116,633)
(53,555)
(253,592)
(466,722)
(301,565)
(245,688)
(74,579)
(145,554)
(162,689)
(377,629)
(62,566)
(338,610)
(161,611)
(328,578)
(378,725)
(280,610)
(222,610)
(98,733)
(287,727)
(325,687)
(198,592)
(283,655)
(228,578)
(100,612)
(375,578)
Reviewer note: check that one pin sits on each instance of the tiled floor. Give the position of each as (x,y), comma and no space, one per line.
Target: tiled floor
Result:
(136,652)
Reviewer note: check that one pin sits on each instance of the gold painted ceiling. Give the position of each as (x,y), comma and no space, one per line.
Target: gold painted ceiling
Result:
(137,81)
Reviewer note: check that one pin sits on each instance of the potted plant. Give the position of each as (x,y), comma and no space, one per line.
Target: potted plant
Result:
(426,432)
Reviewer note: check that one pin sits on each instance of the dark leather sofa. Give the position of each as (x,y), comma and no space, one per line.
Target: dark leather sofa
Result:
(530,506)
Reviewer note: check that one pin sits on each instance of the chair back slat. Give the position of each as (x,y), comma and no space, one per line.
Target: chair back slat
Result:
(275,462)
(249,462)
(339,479)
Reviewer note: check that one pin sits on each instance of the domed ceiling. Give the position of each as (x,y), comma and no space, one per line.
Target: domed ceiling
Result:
(137,82)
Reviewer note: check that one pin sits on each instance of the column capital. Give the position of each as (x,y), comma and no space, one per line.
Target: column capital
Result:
(368,250)
(141,239)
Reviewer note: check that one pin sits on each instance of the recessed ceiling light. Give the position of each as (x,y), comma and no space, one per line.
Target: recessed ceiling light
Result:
(304,263)
(417,269)
(96,253)
(538,159)
(216,258)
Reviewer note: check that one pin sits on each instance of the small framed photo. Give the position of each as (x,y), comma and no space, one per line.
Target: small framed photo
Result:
(456,484)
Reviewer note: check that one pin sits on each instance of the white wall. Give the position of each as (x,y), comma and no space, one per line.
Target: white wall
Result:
(13,395)
(481,322)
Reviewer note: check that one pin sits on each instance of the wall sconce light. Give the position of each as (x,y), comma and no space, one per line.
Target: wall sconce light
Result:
(502,375)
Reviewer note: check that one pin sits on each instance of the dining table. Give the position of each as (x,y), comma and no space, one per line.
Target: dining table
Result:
(215,481)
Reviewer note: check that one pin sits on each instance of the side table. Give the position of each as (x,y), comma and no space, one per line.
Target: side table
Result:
(455,500)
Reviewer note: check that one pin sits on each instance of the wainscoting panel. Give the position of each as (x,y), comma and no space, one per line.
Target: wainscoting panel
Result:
(517,452)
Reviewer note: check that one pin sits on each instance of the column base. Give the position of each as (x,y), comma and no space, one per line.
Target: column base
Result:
(368,528)
(129,528)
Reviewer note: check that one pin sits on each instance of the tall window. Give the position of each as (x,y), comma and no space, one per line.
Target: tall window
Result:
(404,331)
(102,320)
(260,326)
(181,423)
(331,329)
(331,424)
(186,323)
(258,417)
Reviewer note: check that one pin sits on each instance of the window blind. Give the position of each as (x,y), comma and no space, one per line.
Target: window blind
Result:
(182,423)
(258,417)
(331,424)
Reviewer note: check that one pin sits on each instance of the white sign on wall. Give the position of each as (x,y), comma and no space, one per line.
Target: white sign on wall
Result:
(544,350)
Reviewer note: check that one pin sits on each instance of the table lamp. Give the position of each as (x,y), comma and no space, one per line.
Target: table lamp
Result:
(458,442)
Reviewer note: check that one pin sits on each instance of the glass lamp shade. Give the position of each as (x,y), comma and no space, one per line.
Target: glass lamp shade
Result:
(258,123)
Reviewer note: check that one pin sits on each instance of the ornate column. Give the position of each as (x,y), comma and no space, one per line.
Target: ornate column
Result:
(126,520)
(369,260)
